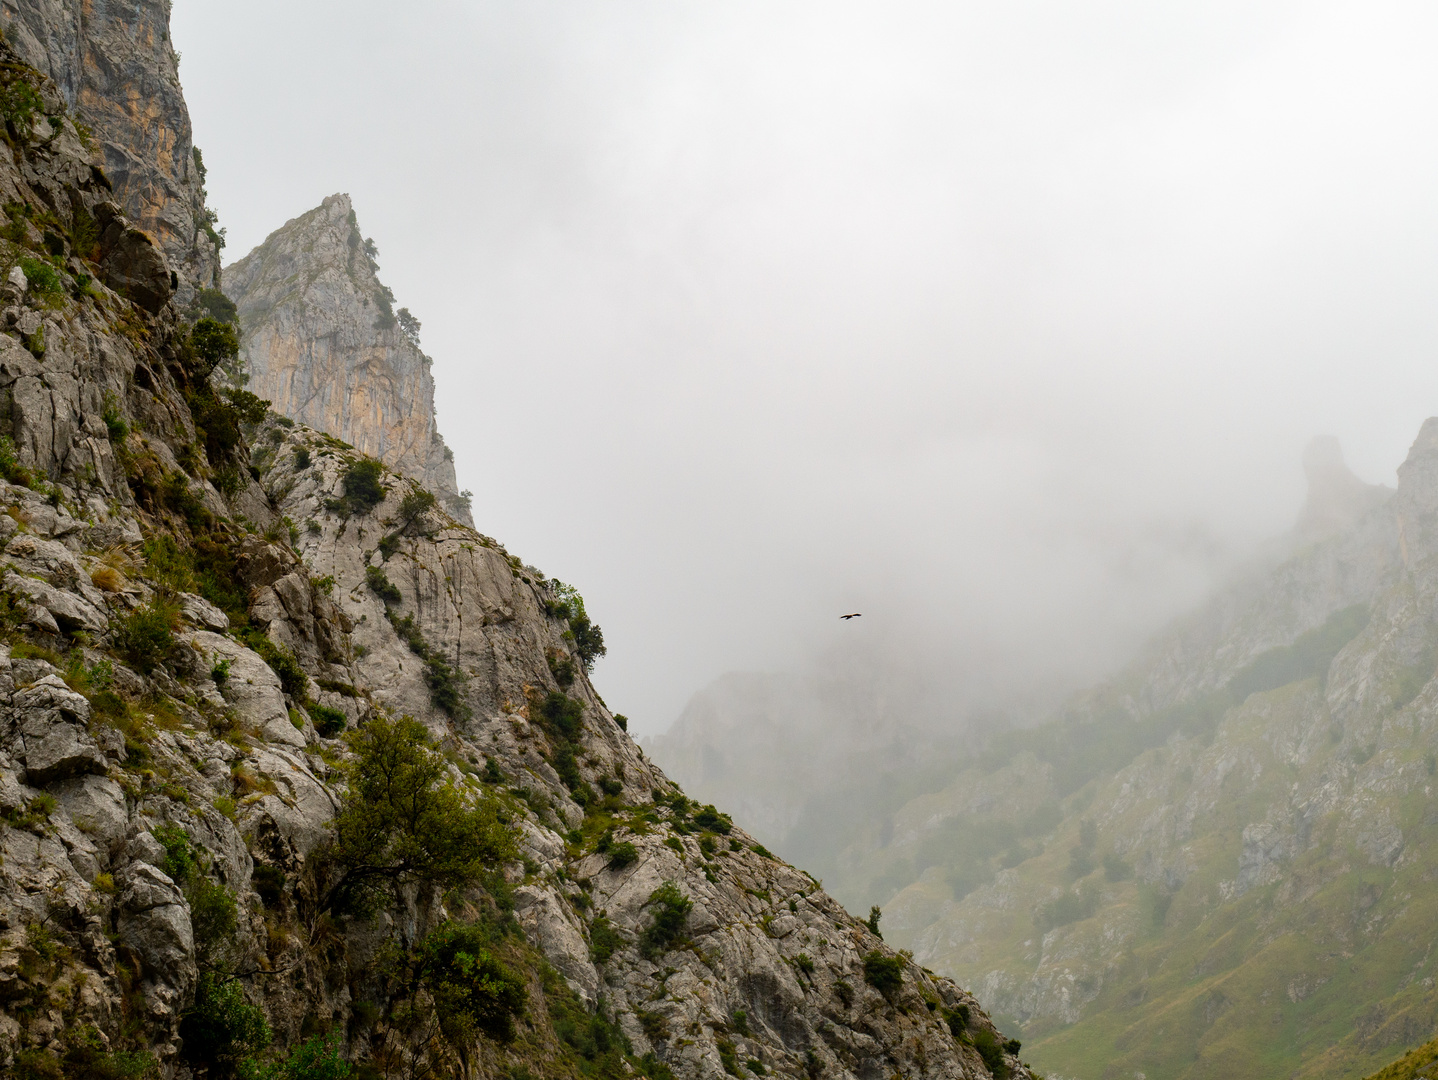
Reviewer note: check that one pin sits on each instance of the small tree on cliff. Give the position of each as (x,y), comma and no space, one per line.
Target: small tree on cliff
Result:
(405,820)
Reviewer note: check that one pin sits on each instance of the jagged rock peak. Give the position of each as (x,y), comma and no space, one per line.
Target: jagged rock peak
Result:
(323,343)
(1336,498)
(117,69)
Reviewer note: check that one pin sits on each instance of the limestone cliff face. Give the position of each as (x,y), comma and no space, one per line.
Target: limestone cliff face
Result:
(115,66)
(320,340)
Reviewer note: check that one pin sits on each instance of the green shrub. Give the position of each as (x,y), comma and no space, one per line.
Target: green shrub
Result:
(1070,907)
(10,466)
(328,722)
(380,584)
(144,637)
(883,973)
(248,408)
(20,103)
(114,422)
(588,640)
(473,991)
(992,1051)
(709,818)
(213,916)
(958,1020)
(872,922)
(282,662)
(44,279)
(302,458)
(415,503)
(622,721)
(363,484)
(804,963)
(563,670)
(671,909)
(212,302)
(222,1026)
(562,715)
(727,1057)
(623,854)
(320,1057)
(603,939)
(403,820)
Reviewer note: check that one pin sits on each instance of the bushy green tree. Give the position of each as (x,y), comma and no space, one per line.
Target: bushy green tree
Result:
(364,485)
(883,973)
(473,991)
(404,819)
(212,343)
(222,1027)
(317,1058)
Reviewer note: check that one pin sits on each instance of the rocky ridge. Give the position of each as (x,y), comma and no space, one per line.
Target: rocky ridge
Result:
(178,661)
(117,70)
(323,343)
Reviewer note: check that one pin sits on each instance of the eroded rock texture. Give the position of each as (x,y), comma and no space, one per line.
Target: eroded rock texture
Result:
(321,341)
(116,67)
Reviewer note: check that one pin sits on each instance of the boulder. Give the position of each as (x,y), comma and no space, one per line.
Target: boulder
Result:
(134,267)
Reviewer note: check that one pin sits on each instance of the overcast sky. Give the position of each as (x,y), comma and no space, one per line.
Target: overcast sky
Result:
(1005,324)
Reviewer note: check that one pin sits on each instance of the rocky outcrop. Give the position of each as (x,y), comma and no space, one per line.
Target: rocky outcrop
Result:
(321,340)
(1336,498)
(117,70)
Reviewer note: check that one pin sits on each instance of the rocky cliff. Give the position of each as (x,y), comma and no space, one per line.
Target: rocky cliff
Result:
(117,71)
(224,849)
(323,342)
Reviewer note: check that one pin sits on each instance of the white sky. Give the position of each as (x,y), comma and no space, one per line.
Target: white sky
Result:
(1002,323)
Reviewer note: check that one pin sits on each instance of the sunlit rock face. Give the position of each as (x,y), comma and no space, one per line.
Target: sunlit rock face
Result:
(117,70)
(321,341)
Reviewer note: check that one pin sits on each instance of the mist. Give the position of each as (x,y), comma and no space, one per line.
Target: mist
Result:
(1004,325)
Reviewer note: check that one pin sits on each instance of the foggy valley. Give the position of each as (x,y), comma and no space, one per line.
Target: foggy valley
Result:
(550,541)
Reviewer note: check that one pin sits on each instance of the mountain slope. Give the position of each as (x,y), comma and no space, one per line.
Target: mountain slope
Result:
(201,870)
(1221,863)
(321,340)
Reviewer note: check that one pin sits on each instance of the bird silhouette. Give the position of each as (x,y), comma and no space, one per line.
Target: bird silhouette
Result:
(856,615)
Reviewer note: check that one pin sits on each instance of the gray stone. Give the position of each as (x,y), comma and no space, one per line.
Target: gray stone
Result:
(154,920)
(200,612)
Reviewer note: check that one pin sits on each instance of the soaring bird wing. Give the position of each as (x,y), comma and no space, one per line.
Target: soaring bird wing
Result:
(856,615)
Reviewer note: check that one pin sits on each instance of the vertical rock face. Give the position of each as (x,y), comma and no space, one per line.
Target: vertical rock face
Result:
(115,66)
(321,341)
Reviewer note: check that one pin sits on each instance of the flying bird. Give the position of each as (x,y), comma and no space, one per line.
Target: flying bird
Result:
(856,615)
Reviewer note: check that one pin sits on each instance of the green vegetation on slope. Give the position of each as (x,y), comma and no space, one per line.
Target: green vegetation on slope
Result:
(1419,1064)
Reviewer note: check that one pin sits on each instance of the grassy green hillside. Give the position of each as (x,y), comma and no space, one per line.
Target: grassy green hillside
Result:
(1420,1064)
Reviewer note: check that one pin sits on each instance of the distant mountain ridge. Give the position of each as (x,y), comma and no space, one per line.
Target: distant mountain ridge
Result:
(1221,862)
